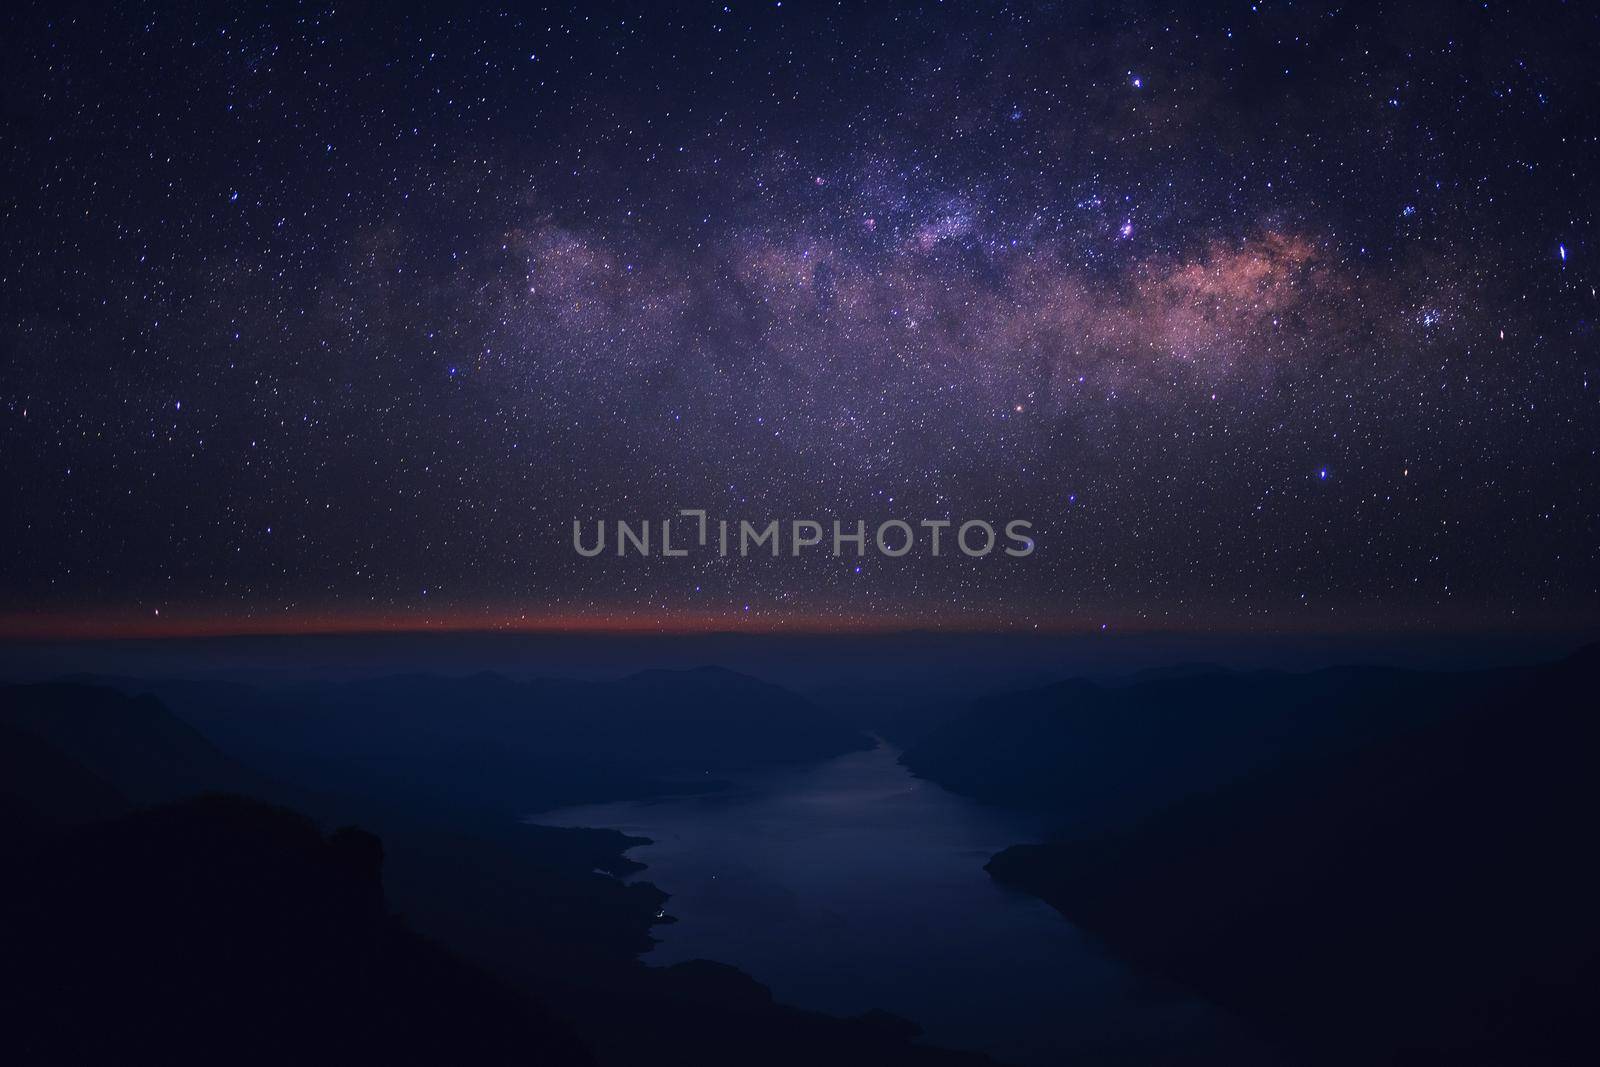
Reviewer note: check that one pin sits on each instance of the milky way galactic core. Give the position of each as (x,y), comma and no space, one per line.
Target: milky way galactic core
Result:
(1262,314)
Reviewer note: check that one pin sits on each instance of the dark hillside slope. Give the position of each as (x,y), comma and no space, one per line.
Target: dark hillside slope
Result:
(1092,754)
(221,930)
(496,743)
(1427,898)
(131,742)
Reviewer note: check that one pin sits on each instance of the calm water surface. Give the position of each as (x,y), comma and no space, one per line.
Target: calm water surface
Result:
(849,885)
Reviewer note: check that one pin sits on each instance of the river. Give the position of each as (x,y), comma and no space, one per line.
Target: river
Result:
(850,884)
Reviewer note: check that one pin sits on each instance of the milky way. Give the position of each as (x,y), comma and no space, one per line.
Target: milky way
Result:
(1273,316)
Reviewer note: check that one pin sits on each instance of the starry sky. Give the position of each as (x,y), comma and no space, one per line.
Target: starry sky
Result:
(1267,315)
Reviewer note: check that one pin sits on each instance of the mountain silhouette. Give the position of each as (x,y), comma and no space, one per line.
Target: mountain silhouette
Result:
(1421,897)
(1095,754)
(223,930)
(41,787)
(132,742)
(486,741)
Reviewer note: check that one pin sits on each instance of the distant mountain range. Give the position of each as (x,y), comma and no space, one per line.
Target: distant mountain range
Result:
(486,741)
(1094,753)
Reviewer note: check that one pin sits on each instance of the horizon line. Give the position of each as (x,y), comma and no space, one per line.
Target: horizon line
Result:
(118,626)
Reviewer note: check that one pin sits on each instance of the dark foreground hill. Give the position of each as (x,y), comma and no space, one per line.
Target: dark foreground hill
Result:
(484,880)
(1427,896)
(221,930)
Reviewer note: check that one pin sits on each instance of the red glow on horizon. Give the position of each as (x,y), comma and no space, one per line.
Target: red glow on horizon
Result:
(98,625)
(151,624)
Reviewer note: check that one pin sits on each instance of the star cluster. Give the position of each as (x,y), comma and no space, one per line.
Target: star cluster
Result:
(1264,314)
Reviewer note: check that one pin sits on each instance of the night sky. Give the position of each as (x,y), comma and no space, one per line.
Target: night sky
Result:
(1273,315)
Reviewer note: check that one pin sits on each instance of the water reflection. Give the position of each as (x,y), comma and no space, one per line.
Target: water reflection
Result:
(849,885)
